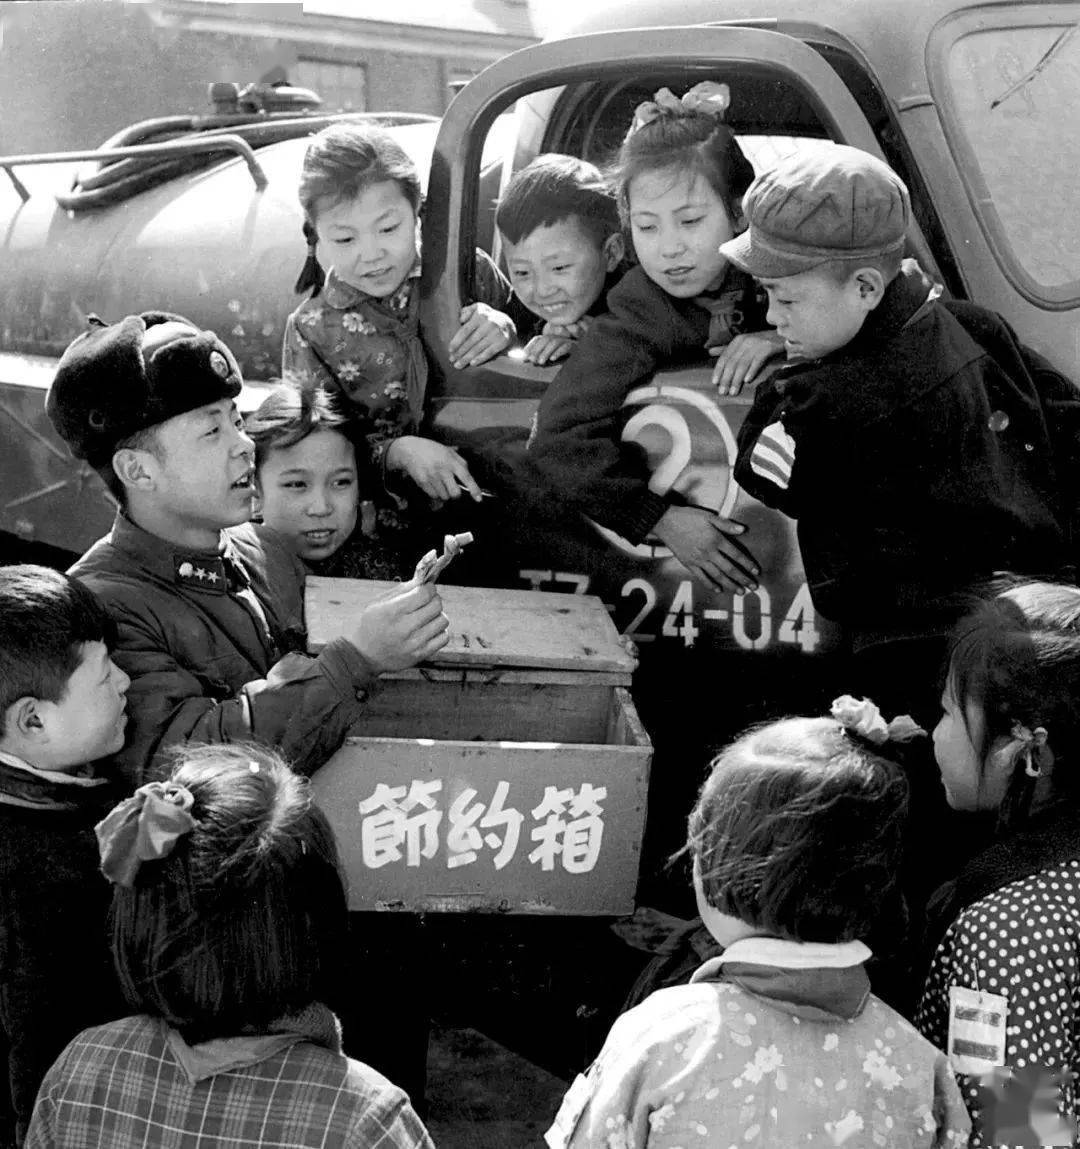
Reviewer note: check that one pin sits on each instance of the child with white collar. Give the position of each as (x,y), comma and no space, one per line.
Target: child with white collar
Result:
(796,840)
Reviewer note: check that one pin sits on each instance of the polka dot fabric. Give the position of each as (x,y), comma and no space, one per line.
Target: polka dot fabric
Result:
(1023,942)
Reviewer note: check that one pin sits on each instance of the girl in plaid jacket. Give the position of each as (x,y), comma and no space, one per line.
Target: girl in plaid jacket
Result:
(228,921)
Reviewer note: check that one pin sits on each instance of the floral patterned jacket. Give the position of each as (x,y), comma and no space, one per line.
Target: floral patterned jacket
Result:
(770,1045)
(370,349)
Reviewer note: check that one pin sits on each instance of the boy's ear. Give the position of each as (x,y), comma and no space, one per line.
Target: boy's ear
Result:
(870,284)
(613,251)
(134,468)
(23,717)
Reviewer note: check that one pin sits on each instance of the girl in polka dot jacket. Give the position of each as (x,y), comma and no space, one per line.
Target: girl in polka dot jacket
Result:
(796,840)
(1007,929)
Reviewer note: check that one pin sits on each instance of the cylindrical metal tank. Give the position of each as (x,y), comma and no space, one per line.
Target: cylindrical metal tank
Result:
(209,245)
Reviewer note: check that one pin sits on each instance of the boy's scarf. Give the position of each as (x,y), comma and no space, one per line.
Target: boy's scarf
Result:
(1050,839)
(23,785)
(731,307)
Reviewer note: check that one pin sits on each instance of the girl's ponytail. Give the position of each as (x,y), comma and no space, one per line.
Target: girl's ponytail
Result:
(798,830)
(1016,656)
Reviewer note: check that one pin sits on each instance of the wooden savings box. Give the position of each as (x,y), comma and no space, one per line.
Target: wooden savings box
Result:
(507,775)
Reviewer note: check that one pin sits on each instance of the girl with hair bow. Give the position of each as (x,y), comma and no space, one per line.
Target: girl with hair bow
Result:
(777,1039)
(679,180)
(228,927)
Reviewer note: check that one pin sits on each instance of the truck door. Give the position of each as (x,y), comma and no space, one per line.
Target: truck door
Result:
(700,52)
(576,95)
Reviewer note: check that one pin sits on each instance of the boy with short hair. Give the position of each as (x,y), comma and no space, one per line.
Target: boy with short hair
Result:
(907,434)
(61,709)
(209,614)
(563,246)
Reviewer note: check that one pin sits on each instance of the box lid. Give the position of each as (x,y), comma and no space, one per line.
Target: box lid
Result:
(519,629)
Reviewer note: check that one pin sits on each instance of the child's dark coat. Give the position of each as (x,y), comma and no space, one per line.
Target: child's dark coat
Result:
(922,464)
(56,974)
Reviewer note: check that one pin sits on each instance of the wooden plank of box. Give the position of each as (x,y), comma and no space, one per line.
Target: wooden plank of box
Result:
(512,628)
(510,775)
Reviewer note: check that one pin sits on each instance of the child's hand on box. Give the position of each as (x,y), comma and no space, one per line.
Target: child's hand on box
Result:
(483,334)
(438,470)
(705,544)
(739,361)
(405,627)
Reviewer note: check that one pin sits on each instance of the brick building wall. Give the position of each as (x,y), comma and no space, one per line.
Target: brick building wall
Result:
(72,74)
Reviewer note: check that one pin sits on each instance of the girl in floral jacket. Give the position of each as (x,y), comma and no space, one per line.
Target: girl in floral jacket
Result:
(778,1041)
(358,332)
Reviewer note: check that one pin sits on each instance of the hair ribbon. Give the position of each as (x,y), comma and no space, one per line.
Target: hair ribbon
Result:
(709,97)
(860,716)
(1034,748)
(143,828)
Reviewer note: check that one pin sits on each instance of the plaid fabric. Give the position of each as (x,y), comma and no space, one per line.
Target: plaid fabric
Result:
(121,1085)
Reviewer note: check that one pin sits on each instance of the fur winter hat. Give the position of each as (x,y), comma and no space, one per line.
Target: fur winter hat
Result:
(120,378)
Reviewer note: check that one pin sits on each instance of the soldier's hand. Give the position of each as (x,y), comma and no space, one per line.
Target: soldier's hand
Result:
(405,627)
(706,545)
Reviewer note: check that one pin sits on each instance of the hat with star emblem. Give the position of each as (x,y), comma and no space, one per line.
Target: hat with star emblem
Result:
(120,378)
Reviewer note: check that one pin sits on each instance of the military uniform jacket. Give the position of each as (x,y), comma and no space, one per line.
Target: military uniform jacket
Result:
(915,461)
(212,643)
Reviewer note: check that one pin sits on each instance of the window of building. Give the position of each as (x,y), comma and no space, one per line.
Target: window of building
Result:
(343,87)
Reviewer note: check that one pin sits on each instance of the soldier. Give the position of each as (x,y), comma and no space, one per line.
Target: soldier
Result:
(209,615)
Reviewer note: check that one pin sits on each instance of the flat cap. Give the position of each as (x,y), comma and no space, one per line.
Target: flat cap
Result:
(120,378)
(839,203)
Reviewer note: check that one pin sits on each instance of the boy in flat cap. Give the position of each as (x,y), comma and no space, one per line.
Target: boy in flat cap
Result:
(209,615)
(910,436)
(907,434)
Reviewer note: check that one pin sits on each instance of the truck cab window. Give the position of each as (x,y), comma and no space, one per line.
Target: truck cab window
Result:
(1011,102)
(771,118)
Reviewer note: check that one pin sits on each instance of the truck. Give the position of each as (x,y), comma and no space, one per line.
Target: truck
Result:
(973,102)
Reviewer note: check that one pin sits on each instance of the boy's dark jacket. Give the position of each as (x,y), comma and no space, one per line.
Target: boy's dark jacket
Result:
(212,645)
(577,450)
(930,451)
(56,974)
